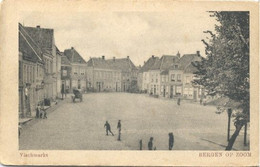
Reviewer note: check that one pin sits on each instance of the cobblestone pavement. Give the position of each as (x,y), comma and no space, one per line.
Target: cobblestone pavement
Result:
(80,126)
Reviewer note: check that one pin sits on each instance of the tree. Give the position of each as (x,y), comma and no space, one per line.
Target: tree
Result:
(225,70)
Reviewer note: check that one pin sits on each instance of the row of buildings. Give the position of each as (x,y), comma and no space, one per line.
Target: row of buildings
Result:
(97,74)
(170,76)
(46,73)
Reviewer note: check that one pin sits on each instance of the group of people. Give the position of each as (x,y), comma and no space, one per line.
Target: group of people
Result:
(108,129)
(150,143)
(41,112)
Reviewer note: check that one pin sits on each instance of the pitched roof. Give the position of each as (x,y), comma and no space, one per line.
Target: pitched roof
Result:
(147,65)
(123,64)
(31,51)
(156,65)
(168,61)
(187,59)
(165,62)
(73,56)
(65,60)
(43,37)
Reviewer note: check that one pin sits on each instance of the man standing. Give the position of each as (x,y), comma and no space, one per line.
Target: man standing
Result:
(107,125)
(171,140)
(179,101)
(119,130)
(150,144)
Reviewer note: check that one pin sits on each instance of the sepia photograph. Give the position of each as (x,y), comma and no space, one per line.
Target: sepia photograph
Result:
(129,83)
(96,81)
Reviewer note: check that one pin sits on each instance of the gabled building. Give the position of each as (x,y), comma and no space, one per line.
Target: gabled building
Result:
(111,74)
(159,81)
(78,76)
(65,74)
(31,74)
(168,61)
(143,74)
(190,91)
(44,38)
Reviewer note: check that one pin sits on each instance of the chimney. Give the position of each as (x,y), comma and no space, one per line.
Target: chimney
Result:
(114,59)
(127,57)
(198,53)
(178,54)
(38,26)
(152,56)
(72,48)
(103,57)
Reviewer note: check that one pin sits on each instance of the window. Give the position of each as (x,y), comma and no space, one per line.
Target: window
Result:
(173,77)
(163,78)
(28,77)
(82,71)
(24,72)
(178,90)
(176,66)
(179,77)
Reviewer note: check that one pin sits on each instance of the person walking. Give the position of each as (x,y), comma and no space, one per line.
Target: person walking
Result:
(150,144)
(38,111)
(179,101)
(107,125)
(171,141)
(119,130)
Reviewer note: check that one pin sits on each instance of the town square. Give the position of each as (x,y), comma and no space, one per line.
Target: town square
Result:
(84,85)
(80,125)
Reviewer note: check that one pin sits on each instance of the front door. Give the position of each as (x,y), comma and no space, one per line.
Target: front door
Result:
(163,91)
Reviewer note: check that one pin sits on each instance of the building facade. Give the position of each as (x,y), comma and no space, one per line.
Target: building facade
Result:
(65,75)
(78,75)
(117,75)
(44,38)
(170,76)
(31,74)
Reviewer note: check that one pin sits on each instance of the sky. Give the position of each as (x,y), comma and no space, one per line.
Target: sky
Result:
(138,35)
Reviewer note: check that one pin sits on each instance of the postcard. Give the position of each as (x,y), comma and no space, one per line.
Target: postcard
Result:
(129,83)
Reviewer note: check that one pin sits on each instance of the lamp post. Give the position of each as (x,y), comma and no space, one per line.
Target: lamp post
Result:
(229,111)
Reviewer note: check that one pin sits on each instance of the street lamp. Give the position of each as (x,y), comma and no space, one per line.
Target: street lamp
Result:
(229,111)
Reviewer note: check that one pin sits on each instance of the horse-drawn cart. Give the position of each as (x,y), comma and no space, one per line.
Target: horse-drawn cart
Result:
(77,95)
